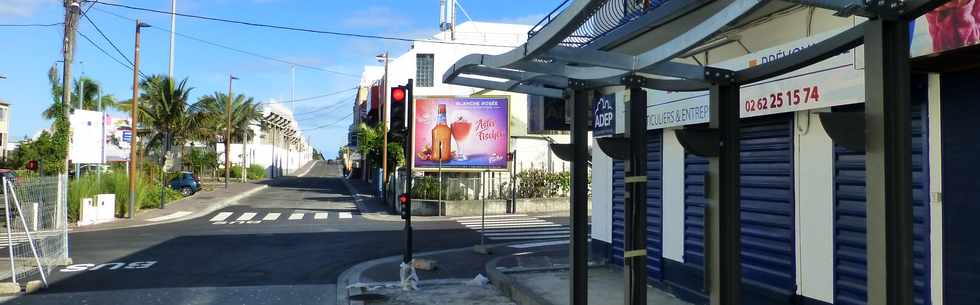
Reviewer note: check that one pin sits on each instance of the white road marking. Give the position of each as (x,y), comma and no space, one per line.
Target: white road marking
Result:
(488,216)
(532,237)
(177,214)
(528,233)
(271,216)
(246,216)
(320,216)
(514,226)
(540,244)
(528,221)
(220,222)
(221,216)
(345,215)
(296,216)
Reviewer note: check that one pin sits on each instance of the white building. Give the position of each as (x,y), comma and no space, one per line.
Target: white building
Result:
(4,128)
(278,144)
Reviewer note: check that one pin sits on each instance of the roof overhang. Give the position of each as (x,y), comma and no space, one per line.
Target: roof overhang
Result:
(544,67)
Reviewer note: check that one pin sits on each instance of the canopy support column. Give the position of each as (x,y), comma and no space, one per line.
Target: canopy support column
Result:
(889,161)
(634,251)
(578,244)
(723,230)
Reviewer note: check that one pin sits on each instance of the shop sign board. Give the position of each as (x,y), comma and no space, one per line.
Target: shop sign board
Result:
(604,116)
(461,133)
(832,82)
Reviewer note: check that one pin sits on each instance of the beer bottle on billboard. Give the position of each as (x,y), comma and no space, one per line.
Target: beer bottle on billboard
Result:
(441,135)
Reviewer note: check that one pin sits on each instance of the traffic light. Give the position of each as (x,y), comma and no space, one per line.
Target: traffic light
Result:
(400,97)
(405,202)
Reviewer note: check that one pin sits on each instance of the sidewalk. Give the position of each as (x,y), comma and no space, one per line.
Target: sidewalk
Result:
(542,279)
(199,204)
(454,272)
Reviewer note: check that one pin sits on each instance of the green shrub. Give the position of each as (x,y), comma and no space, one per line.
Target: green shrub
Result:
(256,171)
(428,188)
(536,183)
(117,182)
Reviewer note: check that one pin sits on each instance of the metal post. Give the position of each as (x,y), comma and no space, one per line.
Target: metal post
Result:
(483,213)
(173,30)
(10,237)
(634,252)
(889,161)
(244,154)
(408,182)
(228,132)
(723,229)
(513,182)
(134,112)
(578,243)
(384,128)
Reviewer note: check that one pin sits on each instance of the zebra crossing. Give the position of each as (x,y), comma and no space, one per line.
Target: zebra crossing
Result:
(233,218)
(514,227)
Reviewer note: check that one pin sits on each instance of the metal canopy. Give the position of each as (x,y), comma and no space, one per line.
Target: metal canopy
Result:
(886,33)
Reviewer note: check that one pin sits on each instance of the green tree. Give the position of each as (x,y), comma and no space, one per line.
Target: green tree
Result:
(369,142)
(89,96)
(211,117)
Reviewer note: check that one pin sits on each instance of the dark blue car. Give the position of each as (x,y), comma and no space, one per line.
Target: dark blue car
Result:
(186,183)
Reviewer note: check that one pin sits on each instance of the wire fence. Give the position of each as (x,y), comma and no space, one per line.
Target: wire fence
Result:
(34,235)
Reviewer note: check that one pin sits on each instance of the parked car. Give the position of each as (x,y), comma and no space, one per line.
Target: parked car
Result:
(187,183)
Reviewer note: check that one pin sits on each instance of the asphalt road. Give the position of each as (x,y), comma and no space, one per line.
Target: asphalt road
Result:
(240,259)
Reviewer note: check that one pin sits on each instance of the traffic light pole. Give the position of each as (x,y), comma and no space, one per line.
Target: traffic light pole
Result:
(407,208)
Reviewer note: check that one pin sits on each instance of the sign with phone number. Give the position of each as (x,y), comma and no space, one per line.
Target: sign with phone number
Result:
(778,100)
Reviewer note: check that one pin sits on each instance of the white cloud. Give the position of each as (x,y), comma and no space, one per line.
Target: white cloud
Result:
(21,8)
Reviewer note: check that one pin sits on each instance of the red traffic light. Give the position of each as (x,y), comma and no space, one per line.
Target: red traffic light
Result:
(32,165)
(398,94)
(403,198)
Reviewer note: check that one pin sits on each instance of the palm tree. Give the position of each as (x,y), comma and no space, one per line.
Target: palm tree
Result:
(211,115)
(85,90)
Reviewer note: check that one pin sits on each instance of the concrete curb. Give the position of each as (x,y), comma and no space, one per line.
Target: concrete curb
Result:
(516,291)
(211,208)
(359,202)
(353,274)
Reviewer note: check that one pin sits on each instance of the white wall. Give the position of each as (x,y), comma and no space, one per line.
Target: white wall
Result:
(814,170)
(601,196)
(673,197)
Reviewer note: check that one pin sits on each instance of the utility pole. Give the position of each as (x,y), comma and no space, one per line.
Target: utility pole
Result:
(72,8)
(228,132)
(134,112)
(244,152)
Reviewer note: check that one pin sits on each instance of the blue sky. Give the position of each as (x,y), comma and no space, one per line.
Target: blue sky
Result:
(27,53)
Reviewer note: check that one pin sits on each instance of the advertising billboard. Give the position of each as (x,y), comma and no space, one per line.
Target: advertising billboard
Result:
(953,25)
(461,133)
(86,143)
(118,136)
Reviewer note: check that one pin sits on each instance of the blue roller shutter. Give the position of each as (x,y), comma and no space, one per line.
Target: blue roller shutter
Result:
(654,238)
(768,258)
(695,171)
(618,211)
(850,214)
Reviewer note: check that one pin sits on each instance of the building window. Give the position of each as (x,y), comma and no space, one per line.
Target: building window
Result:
(3,114)
(424,69)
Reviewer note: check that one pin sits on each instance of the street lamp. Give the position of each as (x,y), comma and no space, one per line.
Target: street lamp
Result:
(383,57)
(134,140)
(228,132)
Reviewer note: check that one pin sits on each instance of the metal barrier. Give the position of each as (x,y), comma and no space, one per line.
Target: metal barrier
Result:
(34,235)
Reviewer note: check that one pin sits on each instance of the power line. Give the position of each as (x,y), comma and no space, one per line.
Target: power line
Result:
(330,106)
(310,98)
(107,39)
(215,44)
(107,53)
(297,29)
(25,25)
(341,120)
